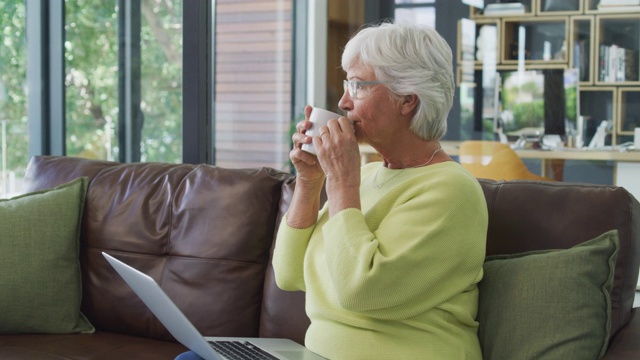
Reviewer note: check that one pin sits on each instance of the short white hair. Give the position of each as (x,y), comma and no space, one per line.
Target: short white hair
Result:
(409,59)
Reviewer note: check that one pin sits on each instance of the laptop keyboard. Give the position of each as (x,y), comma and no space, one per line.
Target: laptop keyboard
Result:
(240,350)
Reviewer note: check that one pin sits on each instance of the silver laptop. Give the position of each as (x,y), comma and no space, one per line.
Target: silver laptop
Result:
(210,348)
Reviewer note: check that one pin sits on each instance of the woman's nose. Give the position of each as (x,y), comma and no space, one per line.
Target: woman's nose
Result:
(345,102)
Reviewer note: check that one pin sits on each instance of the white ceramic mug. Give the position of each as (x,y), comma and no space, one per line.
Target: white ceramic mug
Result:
(319,118)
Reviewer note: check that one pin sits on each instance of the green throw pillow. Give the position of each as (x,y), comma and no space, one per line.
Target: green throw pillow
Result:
(553,304)
(40,283)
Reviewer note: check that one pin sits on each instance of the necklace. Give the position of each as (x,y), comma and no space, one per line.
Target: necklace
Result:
(377,185)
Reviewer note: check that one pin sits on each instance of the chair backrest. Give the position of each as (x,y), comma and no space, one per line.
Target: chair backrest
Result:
(494,160)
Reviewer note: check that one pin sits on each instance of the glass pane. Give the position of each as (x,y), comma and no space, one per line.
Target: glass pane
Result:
(417,15)
(415,2)
(14,151)
(253,83)
(161,83)
(91,78)
(344,20)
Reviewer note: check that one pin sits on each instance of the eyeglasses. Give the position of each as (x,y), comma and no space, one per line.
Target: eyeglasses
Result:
(355,86)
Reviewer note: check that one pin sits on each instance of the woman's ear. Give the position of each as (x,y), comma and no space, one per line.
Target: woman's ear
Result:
(409,104)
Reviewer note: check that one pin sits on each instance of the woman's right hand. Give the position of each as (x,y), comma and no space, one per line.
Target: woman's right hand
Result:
(307,166)
(305,202)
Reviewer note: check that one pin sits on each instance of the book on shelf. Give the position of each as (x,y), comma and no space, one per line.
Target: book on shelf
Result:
(618,2)
(581,58)
(617,64)
(504,9)
(612,61)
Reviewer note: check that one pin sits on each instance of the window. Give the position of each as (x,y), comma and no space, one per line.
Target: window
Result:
(253,77)
(129,80)
(151,78)
(161,137)
(110,82)
(13,98)
(91,82)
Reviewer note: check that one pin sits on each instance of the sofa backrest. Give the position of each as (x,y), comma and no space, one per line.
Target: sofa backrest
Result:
(203,232)
(537,215)
(206,234)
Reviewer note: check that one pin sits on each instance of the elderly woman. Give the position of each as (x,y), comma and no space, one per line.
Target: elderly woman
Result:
(390,264)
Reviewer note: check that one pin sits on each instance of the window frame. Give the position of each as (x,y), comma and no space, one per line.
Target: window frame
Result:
(45,79)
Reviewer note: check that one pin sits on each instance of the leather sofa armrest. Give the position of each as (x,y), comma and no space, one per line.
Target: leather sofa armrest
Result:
(625,344)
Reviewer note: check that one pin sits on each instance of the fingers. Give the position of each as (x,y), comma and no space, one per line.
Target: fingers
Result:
(334,128)
(338,126)
(345,123)
(299,138)
(303,126)
(299,157)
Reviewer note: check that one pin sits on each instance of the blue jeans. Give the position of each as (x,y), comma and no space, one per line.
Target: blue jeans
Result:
(189,355)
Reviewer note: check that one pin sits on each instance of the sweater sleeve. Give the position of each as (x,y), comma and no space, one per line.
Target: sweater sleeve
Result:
(288,256)
(426,249)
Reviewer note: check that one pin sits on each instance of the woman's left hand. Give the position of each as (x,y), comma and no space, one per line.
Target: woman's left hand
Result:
(338,154)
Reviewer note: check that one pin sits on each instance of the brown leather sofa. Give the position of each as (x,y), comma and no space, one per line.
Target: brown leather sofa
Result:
(206,234)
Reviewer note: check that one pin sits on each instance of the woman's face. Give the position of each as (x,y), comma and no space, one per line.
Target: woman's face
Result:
(375,111)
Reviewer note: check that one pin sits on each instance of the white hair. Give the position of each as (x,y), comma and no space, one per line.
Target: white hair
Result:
(409,59)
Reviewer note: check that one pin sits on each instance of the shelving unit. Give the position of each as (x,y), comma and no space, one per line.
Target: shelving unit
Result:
(564,34)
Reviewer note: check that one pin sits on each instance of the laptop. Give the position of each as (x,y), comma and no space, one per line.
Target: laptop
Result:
(209,348)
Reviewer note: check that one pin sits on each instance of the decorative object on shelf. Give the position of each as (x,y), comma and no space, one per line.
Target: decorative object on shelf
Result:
(561,5)
(562,53)
(487,42)
(599,138)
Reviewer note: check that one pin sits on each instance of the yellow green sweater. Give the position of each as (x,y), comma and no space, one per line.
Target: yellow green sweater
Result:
(397,280)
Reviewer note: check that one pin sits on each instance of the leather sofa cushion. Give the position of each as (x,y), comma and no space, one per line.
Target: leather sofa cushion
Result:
(203,232)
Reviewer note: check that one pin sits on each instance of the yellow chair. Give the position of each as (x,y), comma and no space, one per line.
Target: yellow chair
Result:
(494,160)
